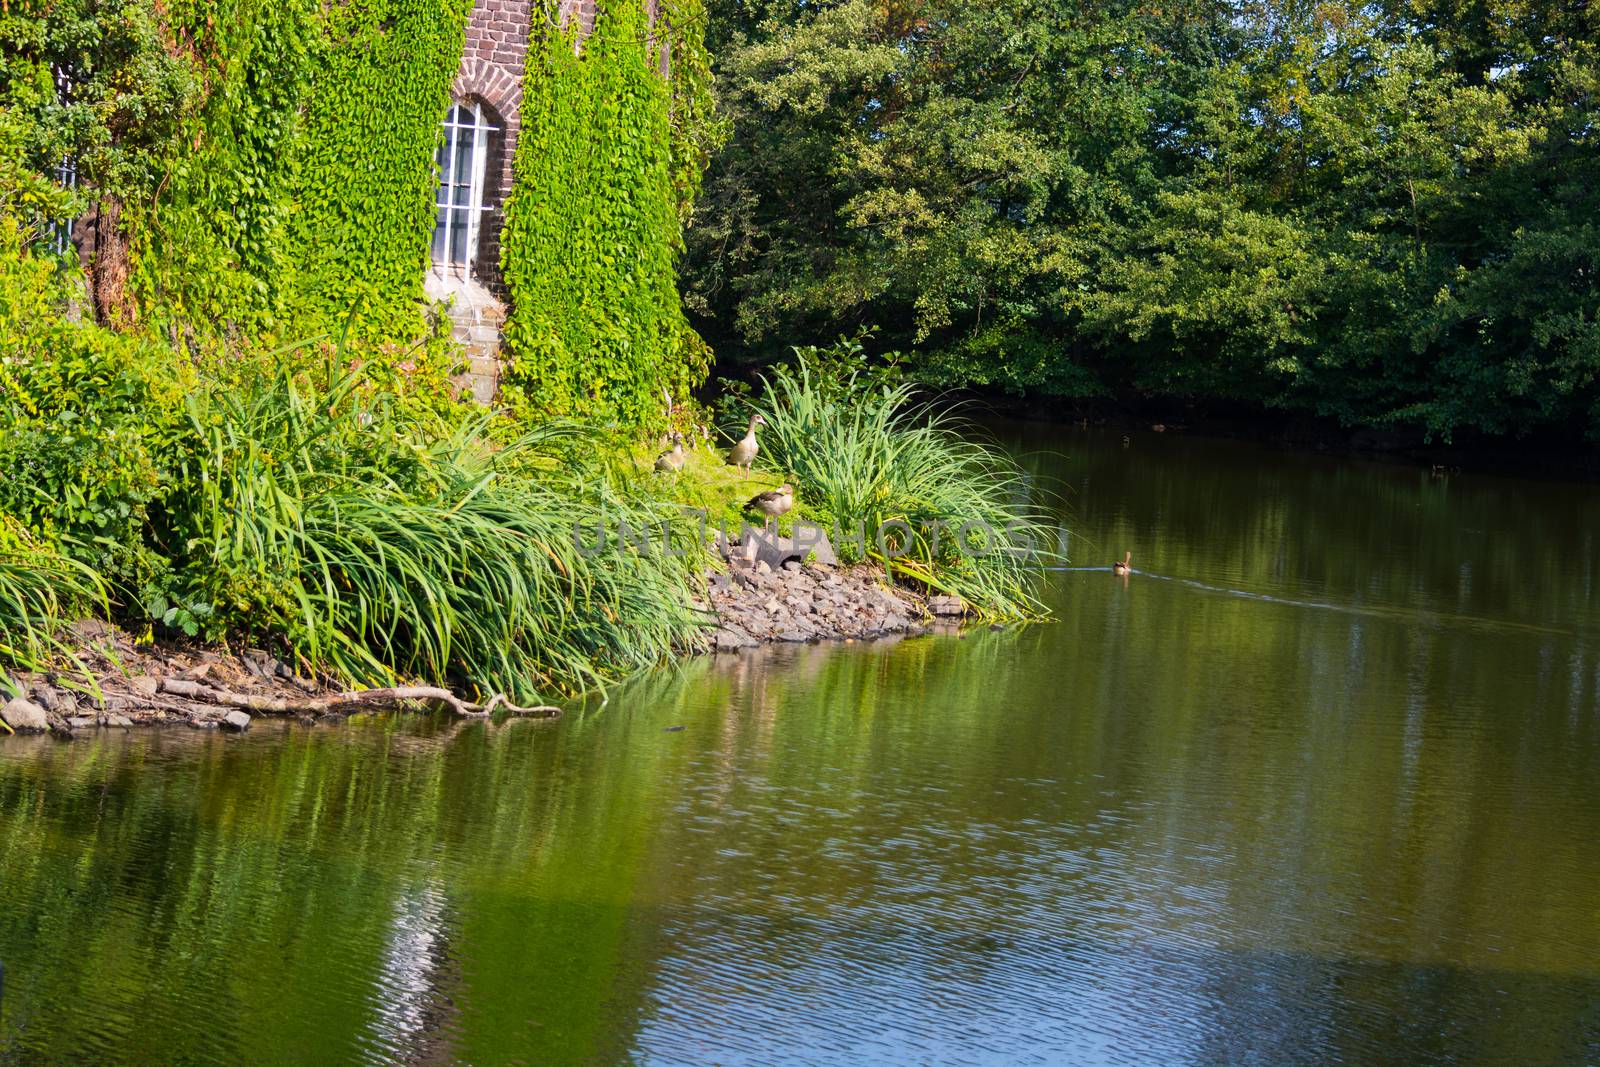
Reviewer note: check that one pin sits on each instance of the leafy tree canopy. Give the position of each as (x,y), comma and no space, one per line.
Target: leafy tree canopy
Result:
(1385,213)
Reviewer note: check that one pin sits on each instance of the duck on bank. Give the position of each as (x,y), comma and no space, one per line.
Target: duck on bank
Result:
(743,453)
(672,460)
(773,504)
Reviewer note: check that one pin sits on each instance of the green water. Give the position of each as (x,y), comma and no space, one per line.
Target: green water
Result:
(1321,783)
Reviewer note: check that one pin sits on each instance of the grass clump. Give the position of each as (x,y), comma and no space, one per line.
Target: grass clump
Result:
(382,545)
(907,484)
(40,591)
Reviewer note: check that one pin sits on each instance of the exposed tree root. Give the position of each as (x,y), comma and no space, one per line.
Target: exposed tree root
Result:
(366,698)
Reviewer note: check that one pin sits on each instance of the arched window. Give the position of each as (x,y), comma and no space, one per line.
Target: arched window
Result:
(463,158)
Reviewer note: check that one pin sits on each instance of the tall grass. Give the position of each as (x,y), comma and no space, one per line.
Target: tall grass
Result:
(380,548)
(869,453)
(40,591)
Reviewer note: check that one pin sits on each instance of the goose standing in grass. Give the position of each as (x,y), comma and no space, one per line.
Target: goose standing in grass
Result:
(744,453)
(774,503)
(672,460)
(1123,566)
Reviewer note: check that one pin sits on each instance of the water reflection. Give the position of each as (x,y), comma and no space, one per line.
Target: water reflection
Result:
(1197,820)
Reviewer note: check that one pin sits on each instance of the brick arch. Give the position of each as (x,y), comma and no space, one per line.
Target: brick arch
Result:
(494,85)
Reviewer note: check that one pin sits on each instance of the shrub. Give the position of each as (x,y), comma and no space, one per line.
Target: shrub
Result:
(954,513)
(88,419)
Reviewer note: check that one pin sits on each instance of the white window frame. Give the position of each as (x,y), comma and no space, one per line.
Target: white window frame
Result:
(479,129)
(66,172)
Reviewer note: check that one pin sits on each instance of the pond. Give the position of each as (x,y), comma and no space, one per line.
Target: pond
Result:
(1319,783)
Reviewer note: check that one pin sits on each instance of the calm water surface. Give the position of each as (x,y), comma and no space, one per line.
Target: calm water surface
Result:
(1320,783)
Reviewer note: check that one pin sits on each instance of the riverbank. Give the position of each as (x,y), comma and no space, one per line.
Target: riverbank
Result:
(121,682)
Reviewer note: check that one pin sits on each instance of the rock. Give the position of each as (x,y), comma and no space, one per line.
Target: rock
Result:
(236,720)
(145,684)
(947,605)
(808,542)
(118,720)
(82,722)
(794,636)
(729,639)
(24,716)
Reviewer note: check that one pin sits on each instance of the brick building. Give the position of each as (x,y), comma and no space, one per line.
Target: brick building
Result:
(480,140)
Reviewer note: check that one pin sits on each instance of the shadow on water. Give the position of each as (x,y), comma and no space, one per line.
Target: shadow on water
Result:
(1325,794)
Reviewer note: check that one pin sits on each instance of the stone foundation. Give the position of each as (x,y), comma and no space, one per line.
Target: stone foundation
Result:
(478,317)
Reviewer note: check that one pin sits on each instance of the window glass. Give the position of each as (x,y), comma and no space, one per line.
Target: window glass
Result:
(464,141)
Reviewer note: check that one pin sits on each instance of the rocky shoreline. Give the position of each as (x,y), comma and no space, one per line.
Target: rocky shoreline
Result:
(756,604)
(755,601)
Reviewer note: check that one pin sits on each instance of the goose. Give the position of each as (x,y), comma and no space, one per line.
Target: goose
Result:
(1123,565)
(673,459)
(773,503)
(744,453)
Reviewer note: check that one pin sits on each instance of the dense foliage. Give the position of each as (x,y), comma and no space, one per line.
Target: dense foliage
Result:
(594,223)
(303,499)
(243,167)
(1385,213)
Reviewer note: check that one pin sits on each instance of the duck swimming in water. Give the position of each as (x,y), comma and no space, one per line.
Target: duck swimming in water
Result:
(1123,566)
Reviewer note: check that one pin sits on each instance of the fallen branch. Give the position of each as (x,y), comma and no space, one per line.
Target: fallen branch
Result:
(366,698)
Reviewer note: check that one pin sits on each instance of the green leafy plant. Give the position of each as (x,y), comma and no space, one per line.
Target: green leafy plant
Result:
(378,548)
(593,224)
(932,502)
(40,591)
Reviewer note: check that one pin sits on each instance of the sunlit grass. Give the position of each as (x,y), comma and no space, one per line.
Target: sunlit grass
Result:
(40,592)
(956,513)
(380,550)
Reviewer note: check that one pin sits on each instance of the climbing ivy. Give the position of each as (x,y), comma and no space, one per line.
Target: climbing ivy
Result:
(366,183)
(290,178)
(604,170)
(304,185)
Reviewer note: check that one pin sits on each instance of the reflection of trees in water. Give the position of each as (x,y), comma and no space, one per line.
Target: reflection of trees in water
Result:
(1232,808)
(299,895)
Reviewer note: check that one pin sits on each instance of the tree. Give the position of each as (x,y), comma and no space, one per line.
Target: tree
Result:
(1379,213)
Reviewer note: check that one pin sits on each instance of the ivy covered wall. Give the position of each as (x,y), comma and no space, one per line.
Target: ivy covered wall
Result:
(304,186)
(606,166)
(256,170)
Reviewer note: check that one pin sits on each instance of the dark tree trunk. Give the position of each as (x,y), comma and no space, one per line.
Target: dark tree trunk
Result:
(108,273)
